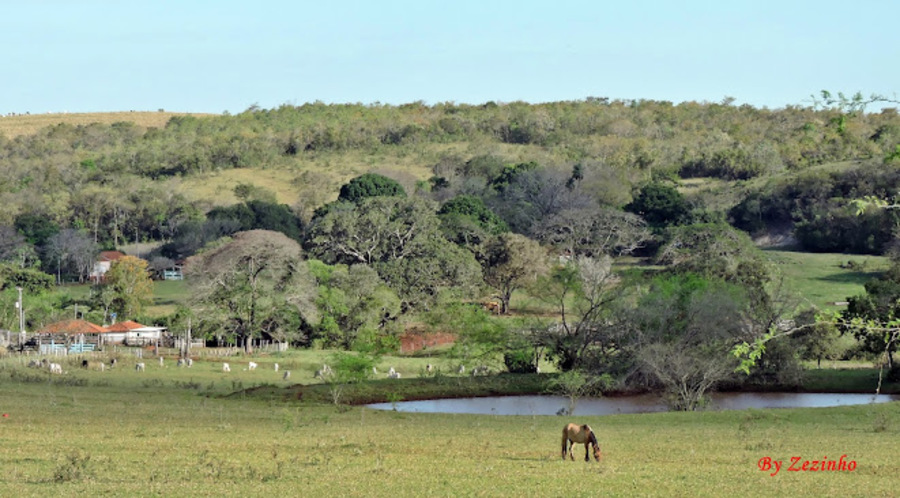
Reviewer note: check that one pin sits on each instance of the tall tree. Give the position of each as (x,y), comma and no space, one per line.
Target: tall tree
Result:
(509,262)
(70,249)
(684,329)
(129,281)
(239,285)
(583,292)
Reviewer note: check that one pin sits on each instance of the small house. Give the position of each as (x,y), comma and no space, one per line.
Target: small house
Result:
(132,333)
(103,263)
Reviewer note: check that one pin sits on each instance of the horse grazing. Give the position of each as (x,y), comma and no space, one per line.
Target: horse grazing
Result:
(574,433)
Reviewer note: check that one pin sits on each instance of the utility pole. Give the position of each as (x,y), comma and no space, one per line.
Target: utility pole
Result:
(21,318)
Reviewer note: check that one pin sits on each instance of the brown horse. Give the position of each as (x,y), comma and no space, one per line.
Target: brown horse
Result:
(574,433)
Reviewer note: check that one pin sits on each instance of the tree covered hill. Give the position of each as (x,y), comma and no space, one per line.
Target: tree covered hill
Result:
(133,180)
(338,225)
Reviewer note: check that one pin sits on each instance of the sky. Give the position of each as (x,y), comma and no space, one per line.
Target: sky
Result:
(220,56)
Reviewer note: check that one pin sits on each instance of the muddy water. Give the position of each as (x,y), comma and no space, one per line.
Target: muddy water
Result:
(551,405)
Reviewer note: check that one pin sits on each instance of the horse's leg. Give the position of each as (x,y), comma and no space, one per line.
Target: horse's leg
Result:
(586,458)
(571,448)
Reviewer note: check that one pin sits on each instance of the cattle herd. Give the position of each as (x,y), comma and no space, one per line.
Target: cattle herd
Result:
(325,373)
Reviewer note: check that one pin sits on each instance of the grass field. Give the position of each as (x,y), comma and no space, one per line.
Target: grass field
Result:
(823,279)
(169,432)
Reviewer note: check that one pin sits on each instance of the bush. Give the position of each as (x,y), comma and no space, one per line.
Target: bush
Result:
(370,185)
(520,361)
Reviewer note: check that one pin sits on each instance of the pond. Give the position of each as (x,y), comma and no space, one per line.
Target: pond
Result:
(645,403)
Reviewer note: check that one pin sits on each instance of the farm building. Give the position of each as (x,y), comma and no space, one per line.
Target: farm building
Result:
(132,333)
(81,335)
(71,335)
(104,261)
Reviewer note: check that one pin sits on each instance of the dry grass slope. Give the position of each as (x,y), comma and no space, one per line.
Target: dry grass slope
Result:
(14,126)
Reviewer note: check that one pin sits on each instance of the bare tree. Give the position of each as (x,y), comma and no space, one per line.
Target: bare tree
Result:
(593,231)
(240,284)
(73,251)
(583,292)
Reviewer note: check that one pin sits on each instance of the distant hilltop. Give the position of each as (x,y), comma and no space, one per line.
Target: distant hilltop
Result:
(15,124)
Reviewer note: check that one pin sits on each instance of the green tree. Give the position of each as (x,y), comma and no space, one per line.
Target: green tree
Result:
(684,328)
(880,304)
(370,185)
(357,309)
(509,262)
(260,215)
(128,279)
(661,205)
(473,208)
(36,227)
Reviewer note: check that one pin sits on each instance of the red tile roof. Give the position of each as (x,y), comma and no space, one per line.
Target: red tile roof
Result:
(110,255)
(72,327)
(123,326)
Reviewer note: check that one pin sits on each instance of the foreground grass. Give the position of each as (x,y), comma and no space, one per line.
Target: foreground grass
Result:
(126,434)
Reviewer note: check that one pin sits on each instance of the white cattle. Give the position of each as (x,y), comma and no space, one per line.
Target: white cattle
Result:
(276,367)
(139,367)
(461,370)
(226,367)
(180,363)
(252,365)
(391,372)
(287,375)
(481,370)
(161,361)
(429,368)
(190,362)
(394,375)
(56,368)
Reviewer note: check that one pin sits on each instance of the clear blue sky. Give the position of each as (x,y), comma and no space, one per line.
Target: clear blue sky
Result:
(223,55)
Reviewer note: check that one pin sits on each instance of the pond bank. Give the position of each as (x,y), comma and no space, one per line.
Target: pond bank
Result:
(644,403)
(862,381)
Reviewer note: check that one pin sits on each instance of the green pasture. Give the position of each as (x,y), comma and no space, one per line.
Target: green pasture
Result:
(820,280)
(202,432)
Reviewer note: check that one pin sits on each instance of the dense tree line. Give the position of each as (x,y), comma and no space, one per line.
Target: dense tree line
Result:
(117,181)
(817,206)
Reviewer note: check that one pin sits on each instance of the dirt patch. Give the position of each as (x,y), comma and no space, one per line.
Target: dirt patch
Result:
(414,340)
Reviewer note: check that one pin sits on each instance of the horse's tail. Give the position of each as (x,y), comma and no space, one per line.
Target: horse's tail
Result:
(565,441)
